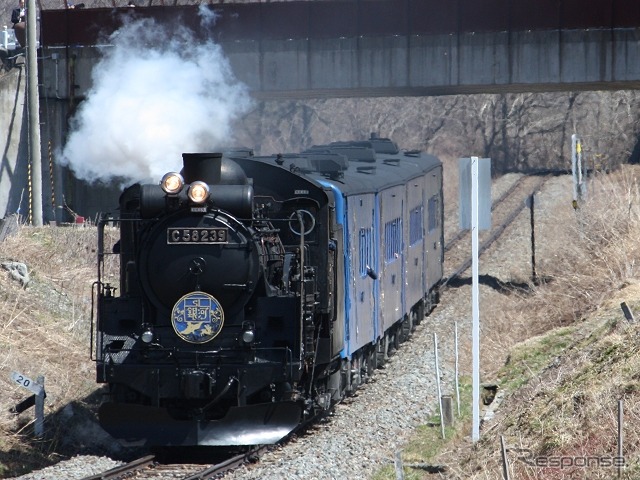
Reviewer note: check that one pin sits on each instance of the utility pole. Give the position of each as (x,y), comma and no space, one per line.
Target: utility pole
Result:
(33,102)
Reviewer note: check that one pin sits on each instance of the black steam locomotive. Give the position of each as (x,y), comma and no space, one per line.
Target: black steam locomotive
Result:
(252,293)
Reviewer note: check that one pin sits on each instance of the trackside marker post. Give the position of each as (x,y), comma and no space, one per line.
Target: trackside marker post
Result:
(578,170)
(37,388)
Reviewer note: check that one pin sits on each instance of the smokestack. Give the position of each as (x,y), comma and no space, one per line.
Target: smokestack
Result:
(205,167)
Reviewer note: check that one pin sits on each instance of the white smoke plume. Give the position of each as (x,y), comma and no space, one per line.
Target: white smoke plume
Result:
(155,95)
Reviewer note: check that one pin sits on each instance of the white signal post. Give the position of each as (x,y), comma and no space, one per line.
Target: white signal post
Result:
(477,172)
(475,295)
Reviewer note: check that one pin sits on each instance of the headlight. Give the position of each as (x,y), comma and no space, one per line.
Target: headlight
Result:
(198,192)
(172,183)
(248,336)
(147,335)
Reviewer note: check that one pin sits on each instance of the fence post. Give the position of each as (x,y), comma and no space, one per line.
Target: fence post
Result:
(505,460)
(457,370)
(435,350)
(398,465)
(620,437)
(447,410)
(628,314)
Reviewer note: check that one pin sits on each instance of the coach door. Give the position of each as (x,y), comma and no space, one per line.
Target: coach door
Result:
(414,233)
(434,248)
(391,255)
(363,271)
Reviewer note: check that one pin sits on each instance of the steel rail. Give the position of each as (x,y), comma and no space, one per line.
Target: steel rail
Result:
(118,472)
(228,464)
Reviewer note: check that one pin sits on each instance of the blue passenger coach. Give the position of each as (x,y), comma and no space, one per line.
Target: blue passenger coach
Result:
(393,236)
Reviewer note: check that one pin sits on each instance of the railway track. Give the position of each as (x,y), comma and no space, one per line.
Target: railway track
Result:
(504,210)
(151,468)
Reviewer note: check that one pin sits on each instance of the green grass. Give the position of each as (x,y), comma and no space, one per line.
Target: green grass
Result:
(529,359)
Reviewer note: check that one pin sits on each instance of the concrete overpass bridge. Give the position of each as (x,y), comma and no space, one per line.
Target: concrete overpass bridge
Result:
(331,48)
(334,48)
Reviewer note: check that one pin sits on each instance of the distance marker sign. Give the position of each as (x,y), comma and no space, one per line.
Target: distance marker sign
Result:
(27,383)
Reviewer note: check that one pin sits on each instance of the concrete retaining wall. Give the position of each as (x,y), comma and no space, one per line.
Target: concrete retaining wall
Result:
(58,185)
(13,143)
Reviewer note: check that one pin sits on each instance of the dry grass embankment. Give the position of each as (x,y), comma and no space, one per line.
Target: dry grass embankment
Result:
(564,355)
(44,330)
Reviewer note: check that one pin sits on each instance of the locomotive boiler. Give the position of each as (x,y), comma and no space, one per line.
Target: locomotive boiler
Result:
(245,295)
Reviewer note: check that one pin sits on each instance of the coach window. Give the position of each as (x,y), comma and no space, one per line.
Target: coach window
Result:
(392,240)
(415,225)
(365,246)
(434,220)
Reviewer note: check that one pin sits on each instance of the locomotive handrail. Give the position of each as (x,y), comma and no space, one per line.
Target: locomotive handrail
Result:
(301,260)
(94,288)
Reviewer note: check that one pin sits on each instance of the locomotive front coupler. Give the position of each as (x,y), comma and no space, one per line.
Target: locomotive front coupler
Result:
(202,410)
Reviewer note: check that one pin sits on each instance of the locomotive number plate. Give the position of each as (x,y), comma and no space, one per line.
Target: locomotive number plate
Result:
(197,235)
